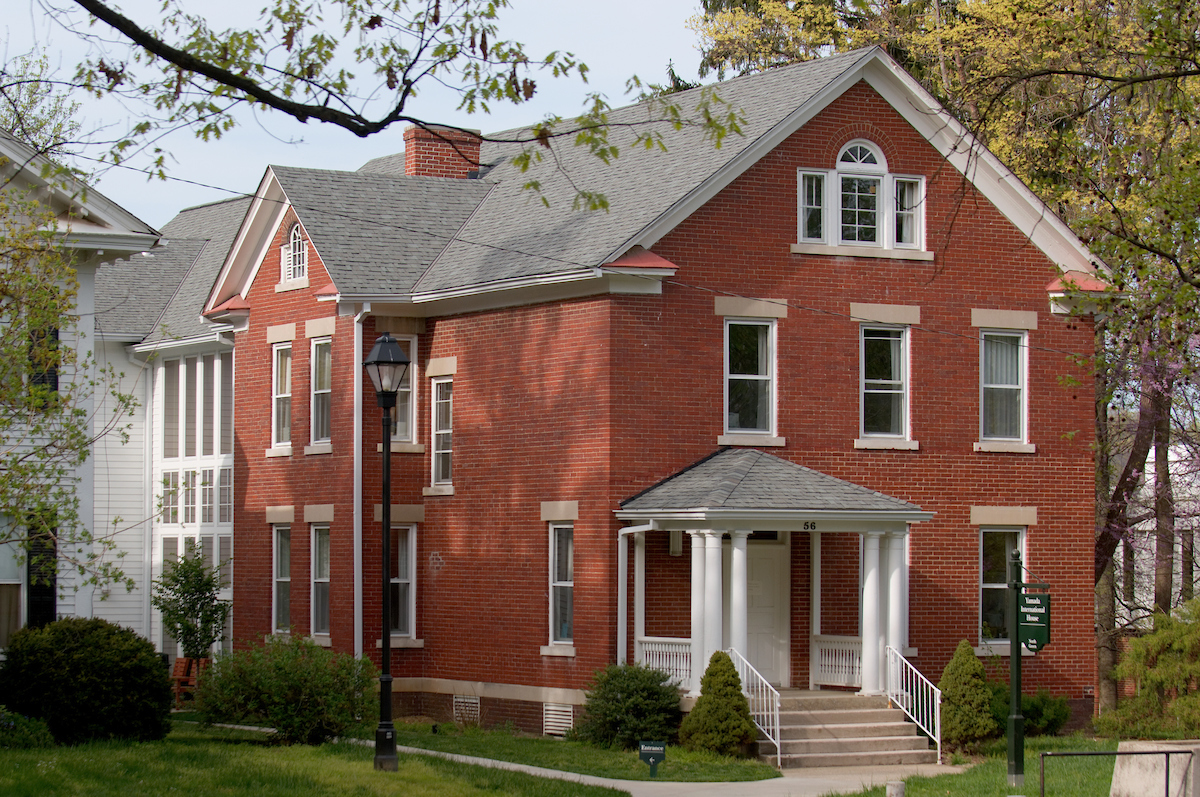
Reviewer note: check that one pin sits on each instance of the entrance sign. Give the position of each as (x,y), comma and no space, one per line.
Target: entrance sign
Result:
(1034,611)
(653,753)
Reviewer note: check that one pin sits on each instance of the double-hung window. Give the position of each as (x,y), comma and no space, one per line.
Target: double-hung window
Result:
(443,428)
(562,583)
(749,376)
(282,594)
(884,382)
(293,260)
(11,586)
(320,579)
(322,389)
(860,204)
(403,587)
(404,413)
(994,547)
(281,395)
(1002,389)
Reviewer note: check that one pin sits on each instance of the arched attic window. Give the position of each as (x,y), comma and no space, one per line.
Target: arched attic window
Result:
(873,207)
(294,258)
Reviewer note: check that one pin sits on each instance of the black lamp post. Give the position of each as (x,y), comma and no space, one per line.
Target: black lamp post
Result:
(386,365)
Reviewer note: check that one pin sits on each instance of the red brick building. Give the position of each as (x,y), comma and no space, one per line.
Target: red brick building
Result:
(796,396)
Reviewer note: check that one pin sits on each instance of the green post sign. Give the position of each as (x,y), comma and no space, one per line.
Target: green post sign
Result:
(653,753)
(1034,609)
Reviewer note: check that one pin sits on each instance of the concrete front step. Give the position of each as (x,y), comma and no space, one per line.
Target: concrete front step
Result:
(881,758)
(831,729)
(846,730)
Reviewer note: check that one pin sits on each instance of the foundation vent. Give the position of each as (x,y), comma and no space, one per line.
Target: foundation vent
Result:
(466,709)
(557,718)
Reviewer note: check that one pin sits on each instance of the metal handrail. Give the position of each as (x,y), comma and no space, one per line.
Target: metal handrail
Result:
(763,699)
(916,695)
(1166,754)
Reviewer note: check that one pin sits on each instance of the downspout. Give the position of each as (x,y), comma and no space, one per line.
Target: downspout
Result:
(622,592)
(358,475)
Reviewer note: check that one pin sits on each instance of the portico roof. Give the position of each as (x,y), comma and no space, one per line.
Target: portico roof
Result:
(740,488)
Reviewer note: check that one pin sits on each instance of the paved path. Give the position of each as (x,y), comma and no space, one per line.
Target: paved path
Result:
(810,782)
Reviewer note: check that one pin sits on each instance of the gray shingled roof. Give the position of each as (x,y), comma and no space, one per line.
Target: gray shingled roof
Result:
(513,234)
(742,478)
(131,294)
(377,233)
(208,230)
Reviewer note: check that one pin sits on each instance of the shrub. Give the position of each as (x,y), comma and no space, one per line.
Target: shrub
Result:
(186,595)
(1045,714)
(88,679)
(966,700)
(627,703)
(23,733)
(307,693)
(720,720)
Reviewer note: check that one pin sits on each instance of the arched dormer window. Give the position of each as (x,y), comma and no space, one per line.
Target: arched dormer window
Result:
(294,260)
(861,204)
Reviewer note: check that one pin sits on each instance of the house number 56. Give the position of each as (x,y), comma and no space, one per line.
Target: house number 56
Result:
(810,525)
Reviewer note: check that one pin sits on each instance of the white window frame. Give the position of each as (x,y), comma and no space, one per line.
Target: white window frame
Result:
(207,496)
(316,393)
(281,578)
(188,508)
(1022,538)
(904,381)
(293,259)
(11,551)
(1021,387)
(438,446)
(769,378)
(558,584)
(317,530)
(886,208)
(225,495)
(409,607)
(409,344)
(280,396)
(170,497)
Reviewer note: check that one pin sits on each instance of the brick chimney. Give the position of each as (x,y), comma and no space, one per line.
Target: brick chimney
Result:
(441,152)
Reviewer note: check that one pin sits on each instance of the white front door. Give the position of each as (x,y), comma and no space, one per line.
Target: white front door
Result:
(767,591)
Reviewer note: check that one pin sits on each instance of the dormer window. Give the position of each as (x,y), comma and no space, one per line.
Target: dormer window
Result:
(294,258)
(860,204)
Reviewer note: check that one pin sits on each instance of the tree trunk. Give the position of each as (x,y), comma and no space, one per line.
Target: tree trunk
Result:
(1164,503)
(1106,617)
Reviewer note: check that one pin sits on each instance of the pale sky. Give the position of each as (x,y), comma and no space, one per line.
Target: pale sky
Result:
(616,39)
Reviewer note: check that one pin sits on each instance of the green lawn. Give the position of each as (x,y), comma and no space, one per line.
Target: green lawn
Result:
(680,764)
(1065,777)
(239,764)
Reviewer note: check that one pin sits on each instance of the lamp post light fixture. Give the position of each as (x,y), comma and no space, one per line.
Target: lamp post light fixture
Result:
(386,365)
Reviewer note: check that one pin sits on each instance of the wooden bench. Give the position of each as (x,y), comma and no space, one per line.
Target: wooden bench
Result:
(184,675)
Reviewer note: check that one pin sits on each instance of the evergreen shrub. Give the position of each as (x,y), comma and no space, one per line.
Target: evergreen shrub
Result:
(1045,714)
(88,679)
(306,693)
(628,703)
(966,701)
(18,732)
(720,720)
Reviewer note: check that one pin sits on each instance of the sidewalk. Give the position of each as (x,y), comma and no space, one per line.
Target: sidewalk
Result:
(813,782)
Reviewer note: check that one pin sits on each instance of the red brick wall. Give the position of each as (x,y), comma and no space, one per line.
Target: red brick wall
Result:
(440,152)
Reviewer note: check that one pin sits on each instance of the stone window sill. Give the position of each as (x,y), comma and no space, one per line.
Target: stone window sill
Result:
(1005,447)
(402,448)
(322,640)
(401,642)
(886,444)
(860,251)
(752,440)
(566,651)
(291,285)
(279,451)
(318,448)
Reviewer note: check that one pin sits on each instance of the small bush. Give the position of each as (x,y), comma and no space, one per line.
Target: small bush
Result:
(307,693)
(88,679)
(1045,714)
(628,703)
(186,597)
(966,700)
(720,720)
(23,733)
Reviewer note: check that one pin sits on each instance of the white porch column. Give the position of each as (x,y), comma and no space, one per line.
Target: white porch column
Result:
(870,615)
(697,539)
(639,589)
(712,595)
(738,622)
(897,597)
(814,657)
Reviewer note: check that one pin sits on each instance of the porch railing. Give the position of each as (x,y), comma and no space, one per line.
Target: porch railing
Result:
(672,656)
(763,699)
(916,695)
(836,661)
